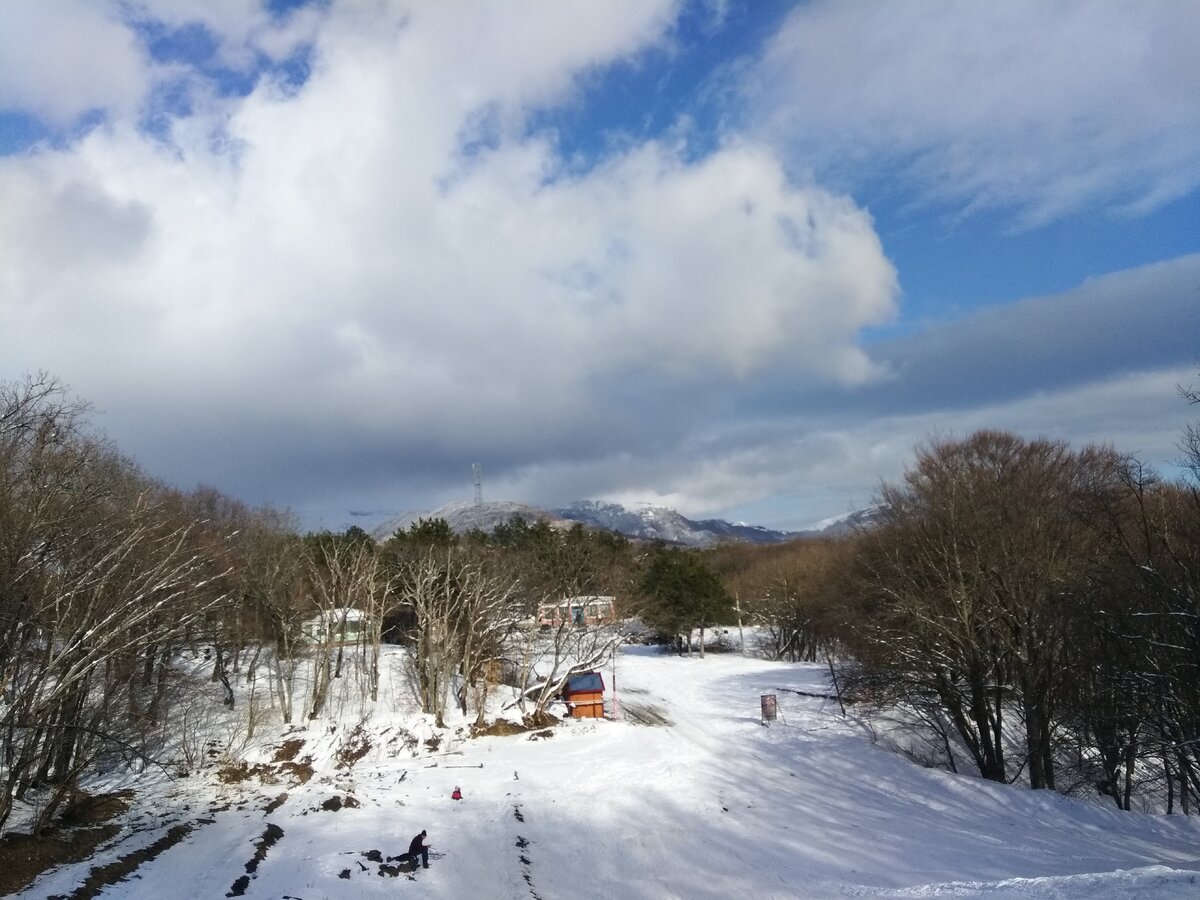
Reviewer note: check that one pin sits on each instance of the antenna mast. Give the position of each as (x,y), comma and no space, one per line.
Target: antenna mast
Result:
(478,470)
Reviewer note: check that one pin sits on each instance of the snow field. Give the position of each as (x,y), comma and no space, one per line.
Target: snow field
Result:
(712,805)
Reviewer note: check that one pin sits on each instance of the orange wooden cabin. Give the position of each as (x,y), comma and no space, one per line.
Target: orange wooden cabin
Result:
(584,695)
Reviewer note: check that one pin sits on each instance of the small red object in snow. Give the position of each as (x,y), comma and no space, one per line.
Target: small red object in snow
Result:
(457,795)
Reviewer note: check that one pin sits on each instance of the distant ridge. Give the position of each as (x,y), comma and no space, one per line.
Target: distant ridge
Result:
(665,524)
(463,516)
(648,523)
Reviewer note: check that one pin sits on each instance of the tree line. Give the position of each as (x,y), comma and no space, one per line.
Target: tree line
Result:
(1033,606)
(1026,586)
(134,615)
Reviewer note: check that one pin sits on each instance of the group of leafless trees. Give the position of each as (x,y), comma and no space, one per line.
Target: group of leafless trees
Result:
(117,592)
(1023,587)
(134,616)
(471,604)
(102,573)
(788,592)
(1036,608)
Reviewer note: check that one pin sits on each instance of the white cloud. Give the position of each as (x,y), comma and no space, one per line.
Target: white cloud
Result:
(1095,364)
(62,59)
(809,466)
(1037,109)
(326,287)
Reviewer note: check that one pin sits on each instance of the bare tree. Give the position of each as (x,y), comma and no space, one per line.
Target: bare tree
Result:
(462,614)
(98,577)
(787,589)
(351,595)
(138,584)
(974,581)
(547,659)
(275,598)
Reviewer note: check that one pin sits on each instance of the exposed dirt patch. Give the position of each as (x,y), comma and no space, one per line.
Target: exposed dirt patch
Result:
(288,750)
(499,728)
(86,809)
(237,772)
(23,857)
(385,867)
(299,772)
(276,803)
(334,803)
(355,747)
(541,720)
(79,830)
(270,837)
(267,773)
(433,743)
(548,733)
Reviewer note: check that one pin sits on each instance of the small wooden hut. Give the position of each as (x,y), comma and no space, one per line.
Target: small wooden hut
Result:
(584,695)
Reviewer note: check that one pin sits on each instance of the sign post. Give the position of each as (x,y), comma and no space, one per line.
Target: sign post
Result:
(769,708)
(616,708)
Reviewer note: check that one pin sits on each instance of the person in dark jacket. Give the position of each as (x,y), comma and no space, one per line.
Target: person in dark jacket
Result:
(417,848)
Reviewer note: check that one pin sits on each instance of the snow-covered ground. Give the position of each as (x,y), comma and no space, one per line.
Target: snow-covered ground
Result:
(685,795)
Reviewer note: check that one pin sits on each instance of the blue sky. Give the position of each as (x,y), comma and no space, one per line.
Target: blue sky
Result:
(734,257)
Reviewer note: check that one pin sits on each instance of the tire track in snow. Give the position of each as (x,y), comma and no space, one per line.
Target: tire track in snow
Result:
(270,837)
(101,877)
(523,857)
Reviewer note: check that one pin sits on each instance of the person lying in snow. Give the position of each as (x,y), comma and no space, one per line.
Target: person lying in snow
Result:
(417,849)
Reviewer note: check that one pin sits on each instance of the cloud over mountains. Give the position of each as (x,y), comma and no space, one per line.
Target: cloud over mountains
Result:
(329,256)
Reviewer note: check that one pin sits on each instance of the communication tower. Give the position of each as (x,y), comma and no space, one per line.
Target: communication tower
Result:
(478,470)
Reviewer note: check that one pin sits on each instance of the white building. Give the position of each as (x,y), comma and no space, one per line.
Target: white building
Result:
(341,625)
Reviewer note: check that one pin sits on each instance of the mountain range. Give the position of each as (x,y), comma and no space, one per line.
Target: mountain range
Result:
(647,523)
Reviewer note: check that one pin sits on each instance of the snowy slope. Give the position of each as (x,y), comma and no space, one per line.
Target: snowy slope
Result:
(666,524)
(647,523)
(710,805)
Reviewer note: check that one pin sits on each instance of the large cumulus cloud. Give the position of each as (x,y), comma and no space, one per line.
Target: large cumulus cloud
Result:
(343,292)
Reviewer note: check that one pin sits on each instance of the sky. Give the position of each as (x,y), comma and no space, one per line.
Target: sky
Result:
(738,258)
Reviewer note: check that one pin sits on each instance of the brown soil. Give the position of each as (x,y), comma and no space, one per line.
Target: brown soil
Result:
(288,750)
(237,772)
(300,771)
(355,747)
(24,857)
(79,830)
(334,803)
(499,728)
(272,834)
(88,809)
(540,720)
